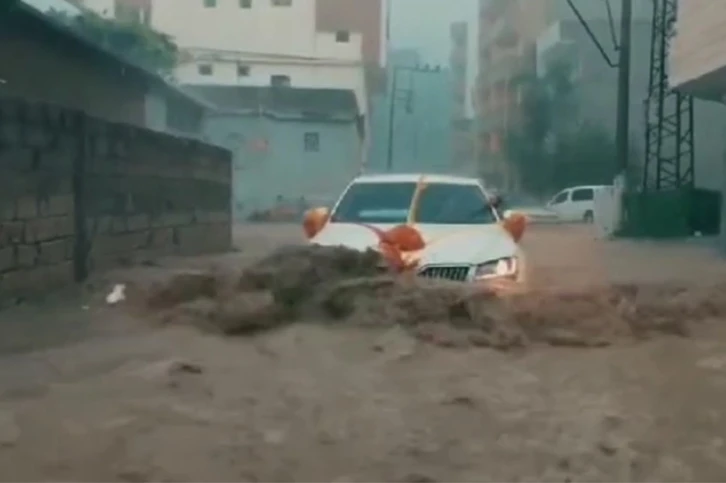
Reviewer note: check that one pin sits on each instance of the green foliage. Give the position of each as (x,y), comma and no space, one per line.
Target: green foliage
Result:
(133,41)
(550,147)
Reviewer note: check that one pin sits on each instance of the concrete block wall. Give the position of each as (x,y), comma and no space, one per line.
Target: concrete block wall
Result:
(78,195)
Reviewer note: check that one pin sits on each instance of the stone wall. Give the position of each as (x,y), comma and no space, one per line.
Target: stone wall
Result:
(78,194)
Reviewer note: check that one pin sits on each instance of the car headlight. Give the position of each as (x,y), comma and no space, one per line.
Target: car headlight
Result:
(503,267)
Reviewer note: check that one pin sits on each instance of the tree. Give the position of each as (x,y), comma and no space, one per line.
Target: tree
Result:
(134,41)
(551,147)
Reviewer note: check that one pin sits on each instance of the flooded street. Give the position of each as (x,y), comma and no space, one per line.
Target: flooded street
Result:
(375,402)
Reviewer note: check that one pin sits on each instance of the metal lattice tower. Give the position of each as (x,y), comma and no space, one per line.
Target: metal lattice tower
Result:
(669,150)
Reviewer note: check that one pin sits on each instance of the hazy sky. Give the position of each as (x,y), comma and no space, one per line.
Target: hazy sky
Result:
(424,24)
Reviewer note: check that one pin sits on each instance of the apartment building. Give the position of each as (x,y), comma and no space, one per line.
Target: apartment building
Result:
(507,33)
(253,42)
(461,134)
(367,18)
(459,32)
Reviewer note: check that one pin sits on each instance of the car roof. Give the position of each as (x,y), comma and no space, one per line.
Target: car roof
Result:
(414,178)
(586,186)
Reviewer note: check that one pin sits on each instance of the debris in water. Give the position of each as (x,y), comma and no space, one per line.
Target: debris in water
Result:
(118,294)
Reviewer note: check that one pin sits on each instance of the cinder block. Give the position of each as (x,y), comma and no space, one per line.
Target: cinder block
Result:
(26,207)
(7,259)
(56,205)
(50,228)
(55,251)
(11,232)
(27,255)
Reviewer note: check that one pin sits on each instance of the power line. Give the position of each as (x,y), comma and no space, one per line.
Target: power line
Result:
(590,33)
(611,24)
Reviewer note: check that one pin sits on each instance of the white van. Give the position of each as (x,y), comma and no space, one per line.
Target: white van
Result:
(576,203)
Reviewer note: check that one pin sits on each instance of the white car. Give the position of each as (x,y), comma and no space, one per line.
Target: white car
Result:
(464,234)
(576,203)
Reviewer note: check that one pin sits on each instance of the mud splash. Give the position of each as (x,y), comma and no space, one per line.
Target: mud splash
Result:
(340,286)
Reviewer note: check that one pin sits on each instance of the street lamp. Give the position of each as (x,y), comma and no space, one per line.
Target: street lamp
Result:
(395,91)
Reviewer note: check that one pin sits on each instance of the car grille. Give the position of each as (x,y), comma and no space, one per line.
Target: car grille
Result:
(457,273)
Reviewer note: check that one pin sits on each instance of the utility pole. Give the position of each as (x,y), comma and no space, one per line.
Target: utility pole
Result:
(392,117)
(623,108)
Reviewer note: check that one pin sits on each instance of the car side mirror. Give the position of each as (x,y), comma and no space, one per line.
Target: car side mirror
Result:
(495,201)
(314,220)
(515,224)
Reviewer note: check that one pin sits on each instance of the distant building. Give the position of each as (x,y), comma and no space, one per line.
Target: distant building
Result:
(44,60)
(291,143)
(458,61)
(422,117)
(463,157)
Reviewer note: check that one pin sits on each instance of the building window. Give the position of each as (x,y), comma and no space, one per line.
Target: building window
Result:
(342,36)
(243,70)
(205,69)
(281,3)
(210,3)
(280,81)
(311,140)
(245,3)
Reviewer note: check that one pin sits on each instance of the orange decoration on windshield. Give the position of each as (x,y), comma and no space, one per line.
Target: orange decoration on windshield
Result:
(396,245)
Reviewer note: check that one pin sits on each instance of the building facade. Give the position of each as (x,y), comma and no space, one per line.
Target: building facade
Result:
(253,42)
(463,158)
(507,32)
(697,60)
(368,18)
(458,63)
(261,43)
(287,144)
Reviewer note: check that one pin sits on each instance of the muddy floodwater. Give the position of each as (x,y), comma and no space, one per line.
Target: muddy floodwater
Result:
(294,364)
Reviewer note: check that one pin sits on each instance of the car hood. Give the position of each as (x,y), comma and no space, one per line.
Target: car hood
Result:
(445,244)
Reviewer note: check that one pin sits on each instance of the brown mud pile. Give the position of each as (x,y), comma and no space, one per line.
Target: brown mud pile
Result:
(340,286)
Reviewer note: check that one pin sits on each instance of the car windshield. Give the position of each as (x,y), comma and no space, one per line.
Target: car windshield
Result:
(440,203)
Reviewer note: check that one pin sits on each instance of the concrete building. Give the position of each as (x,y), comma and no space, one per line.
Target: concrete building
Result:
(463,159)
(458,61)
(508,30)
(286,143)
(698,67)
(366,18)
(34,48)
(422,117)
(253,42)
(261,43)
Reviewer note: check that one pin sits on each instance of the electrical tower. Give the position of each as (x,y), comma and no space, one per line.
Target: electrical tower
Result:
(669,150)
